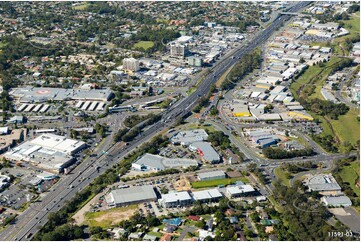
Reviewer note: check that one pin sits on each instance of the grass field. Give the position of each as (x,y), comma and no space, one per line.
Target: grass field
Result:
(110,217)
(350,174)
(214,183)
(352,25)
(82,6)
(282,176)
(144,44)
(347,127)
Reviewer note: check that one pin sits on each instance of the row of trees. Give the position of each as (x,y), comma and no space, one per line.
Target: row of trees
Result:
(325,107)
(277,153)
(248,63)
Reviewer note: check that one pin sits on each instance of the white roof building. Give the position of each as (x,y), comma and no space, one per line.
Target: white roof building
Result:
(341,201)
(207,195)
(189,136)
(240,190)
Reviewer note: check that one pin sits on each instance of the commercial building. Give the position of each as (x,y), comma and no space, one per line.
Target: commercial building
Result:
(325,184)
(211,195)
(131,195)
(212,175)
(42,94)
(131,64)
(206,151)
(195,61)
(48,151)
(189,136)
(175,199)
(178,50)
(239,191)
(149,162)
(341,201)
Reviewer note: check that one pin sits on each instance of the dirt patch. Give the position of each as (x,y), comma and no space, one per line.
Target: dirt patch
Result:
(110,217)
(183,184)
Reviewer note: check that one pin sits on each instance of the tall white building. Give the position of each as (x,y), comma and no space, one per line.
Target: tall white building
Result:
(131,64)
(177,50)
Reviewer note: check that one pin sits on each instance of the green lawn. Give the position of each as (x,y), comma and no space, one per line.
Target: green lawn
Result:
(144,44)
(350,174)
(82,6)
(347,127)
(282,176)
(106,218)
(213,183)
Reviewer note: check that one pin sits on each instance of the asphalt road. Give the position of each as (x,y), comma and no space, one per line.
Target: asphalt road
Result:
(36,216)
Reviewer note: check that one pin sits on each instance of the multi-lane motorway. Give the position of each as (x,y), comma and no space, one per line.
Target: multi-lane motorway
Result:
(30,222)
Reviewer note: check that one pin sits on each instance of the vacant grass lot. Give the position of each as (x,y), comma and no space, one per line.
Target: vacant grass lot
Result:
(144,44)
(281,175)
(347,127)
(214,183)
(110,217)
(350,174)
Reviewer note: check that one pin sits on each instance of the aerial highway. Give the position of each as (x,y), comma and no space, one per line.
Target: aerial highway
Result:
(30,221)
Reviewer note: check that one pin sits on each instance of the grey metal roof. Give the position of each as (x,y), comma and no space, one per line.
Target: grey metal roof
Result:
(341,200)
(209,153)
(133,194)
(211,174)
(323,182)
(161,163)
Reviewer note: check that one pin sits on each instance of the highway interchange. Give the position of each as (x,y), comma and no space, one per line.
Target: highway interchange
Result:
(30,222)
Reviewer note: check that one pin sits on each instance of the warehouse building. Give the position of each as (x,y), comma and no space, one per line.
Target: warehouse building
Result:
(131,195)
(341,201)
(239,191)
(48,151)
(175,199)
(187,137)
(240,109)
(212,175)
(149,162)
(206,151)
(211,195)
(325,184)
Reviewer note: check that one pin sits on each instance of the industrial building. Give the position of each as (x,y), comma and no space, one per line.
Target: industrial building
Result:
(175,199)
(206,151)
(211,195)
(212,175)
(40,94)
(325,184)
(48,151)
(239,191)
(149,162)
(240,110)
(187,137)
(341,201)
(131,64)
(131,195)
